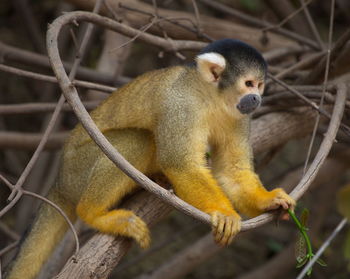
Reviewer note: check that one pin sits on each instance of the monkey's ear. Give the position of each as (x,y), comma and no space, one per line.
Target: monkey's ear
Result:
(210,65)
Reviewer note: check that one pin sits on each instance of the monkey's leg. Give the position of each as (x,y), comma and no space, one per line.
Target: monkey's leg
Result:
(108,185)
(251,198)
(196,186)
(181,146)
(233,169)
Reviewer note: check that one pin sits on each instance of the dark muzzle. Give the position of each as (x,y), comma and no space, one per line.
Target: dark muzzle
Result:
(249,103)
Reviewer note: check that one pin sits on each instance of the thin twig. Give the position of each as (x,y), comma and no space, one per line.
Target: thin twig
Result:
(52,79)
(63,214)
(302,63)
(6,230)
(128,31)
(326,144)
(142,30)
(29,141)
(37,152)
(30,23)
(197,15)
(8,248)
(286,19)
(330,36)
(312,24)
(258,23)
(40,107)
(344,127)
(325,244)
(319,68)
(21,192)
(34,59)
(174,21)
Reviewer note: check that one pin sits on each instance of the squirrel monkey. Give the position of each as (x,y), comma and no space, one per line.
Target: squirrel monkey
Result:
(164,121)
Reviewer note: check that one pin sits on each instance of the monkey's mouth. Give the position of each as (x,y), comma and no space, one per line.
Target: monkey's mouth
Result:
(249,103)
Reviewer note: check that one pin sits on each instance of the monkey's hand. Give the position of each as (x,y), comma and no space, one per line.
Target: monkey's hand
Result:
(225,227)
(277,198)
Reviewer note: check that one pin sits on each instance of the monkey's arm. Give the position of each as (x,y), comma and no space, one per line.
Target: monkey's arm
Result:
(181,146)
(233,168)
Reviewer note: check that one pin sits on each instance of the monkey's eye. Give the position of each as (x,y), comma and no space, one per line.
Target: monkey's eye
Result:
(249,83)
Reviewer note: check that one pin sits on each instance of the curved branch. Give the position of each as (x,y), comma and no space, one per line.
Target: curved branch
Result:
(326,144)
(168,45)
(72,97)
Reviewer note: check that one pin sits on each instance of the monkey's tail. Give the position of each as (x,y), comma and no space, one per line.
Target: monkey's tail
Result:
(47,230)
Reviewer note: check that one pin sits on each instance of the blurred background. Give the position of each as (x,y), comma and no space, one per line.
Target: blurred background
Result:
(306,44)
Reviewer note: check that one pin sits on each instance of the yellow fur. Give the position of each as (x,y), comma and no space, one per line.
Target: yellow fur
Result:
(163,121)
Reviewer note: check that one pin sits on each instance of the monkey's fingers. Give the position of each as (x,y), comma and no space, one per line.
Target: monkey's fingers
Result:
(225,228)
(220,228)
(279,199)
(217,224)
(214,221)
(228,231)
(232,228)
(236,229)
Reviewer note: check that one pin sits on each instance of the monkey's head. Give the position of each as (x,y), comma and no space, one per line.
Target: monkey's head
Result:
(237,70)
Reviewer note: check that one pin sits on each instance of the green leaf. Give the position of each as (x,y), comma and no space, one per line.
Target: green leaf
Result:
(300,248)
(321,262)
(304,217)
(343,201)
(301,262)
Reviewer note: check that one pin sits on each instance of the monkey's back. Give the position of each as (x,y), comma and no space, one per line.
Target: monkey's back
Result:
(133,106)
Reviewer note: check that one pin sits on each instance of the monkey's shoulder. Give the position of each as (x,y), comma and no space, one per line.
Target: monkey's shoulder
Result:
(134,105)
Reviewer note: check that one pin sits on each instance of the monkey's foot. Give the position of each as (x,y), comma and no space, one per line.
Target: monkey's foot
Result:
(133,226)
(120,222)
(278,199)
(225,227)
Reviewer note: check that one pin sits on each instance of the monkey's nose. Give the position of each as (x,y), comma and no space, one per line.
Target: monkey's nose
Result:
(249,103)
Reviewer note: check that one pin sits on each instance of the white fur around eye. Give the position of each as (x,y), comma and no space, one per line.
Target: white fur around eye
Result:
(214,58)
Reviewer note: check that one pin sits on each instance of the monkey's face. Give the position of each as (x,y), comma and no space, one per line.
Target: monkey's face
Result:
(237,71)
(249,87)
